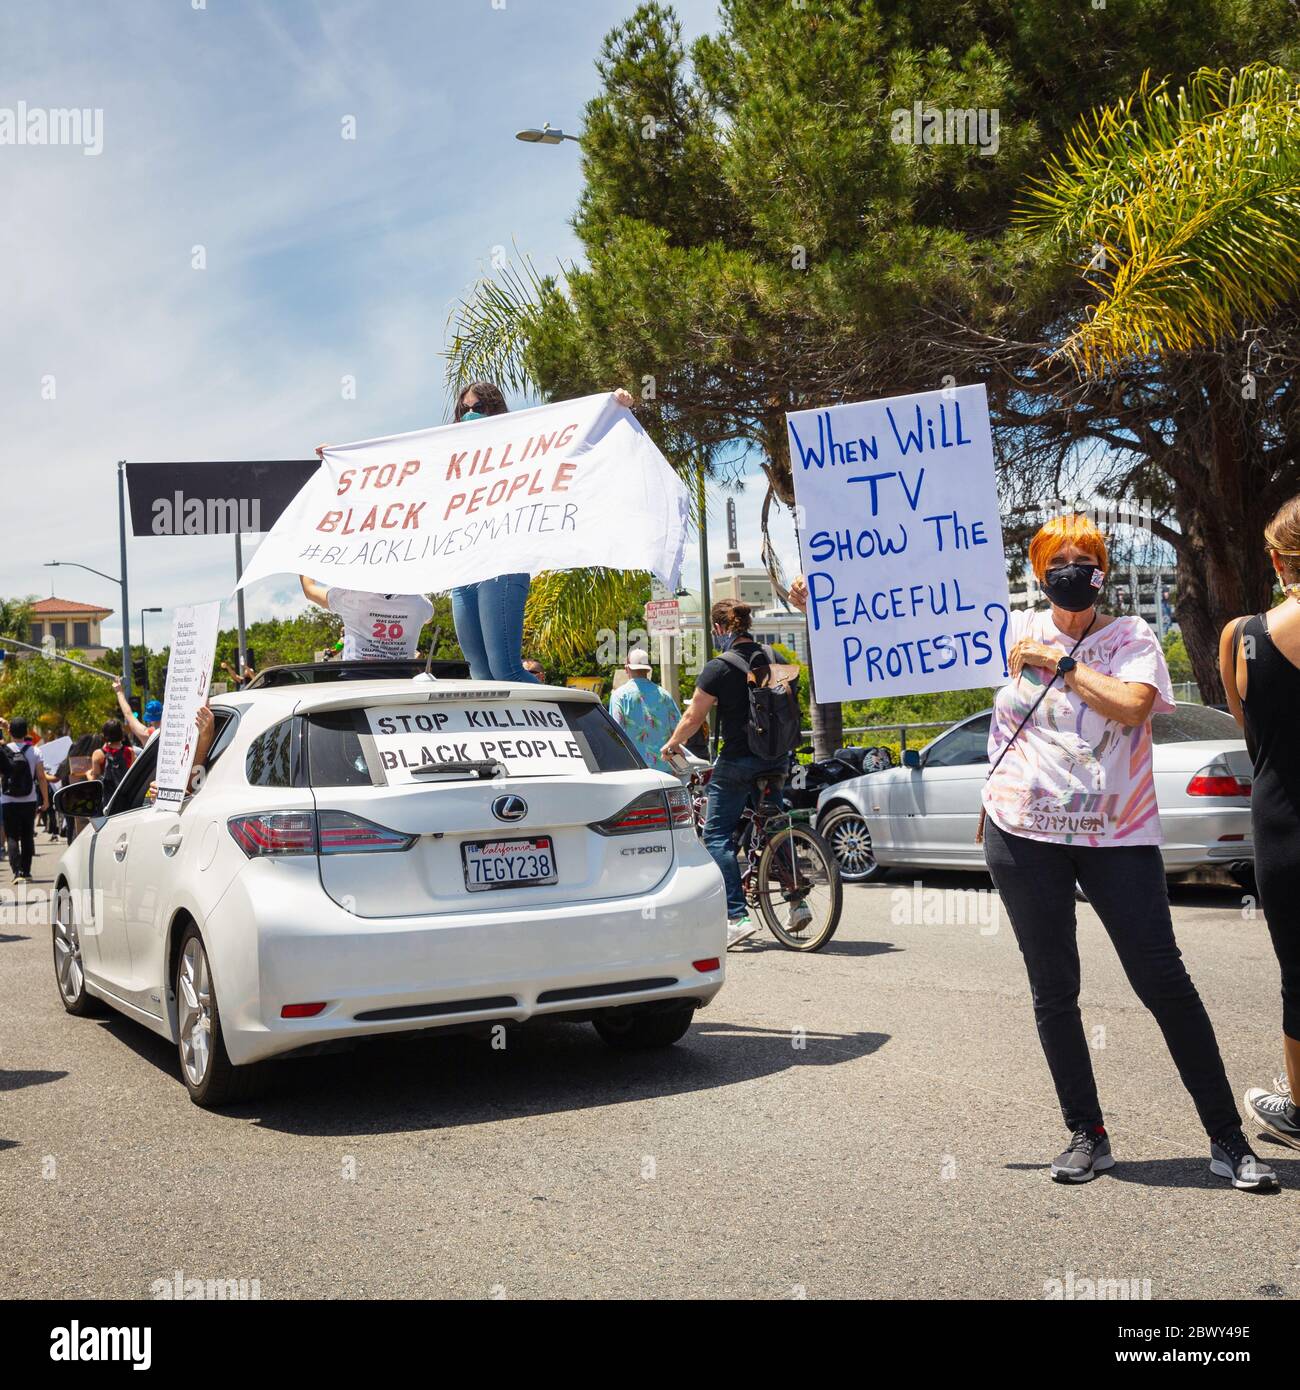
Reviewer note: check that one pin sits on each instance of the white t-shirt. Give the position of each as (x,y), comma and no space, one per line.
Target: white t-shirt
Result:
(29,752)
(379,627)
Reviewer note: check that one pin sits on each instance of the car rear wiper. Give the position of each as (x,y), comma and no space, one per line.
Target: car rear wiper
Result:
(481,768)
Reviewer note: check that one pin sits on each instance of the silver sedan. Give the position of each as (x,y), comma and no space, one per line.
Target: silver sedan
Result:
(924,813)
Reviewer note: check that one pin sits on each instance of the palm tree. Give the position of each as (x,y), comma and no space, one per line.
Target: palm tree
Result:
(16,617)
(1188,203)
(490,330)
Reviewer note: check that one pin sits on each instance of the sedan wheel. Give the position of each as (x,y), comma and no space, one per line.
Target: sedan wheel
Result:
(209,1075)
(69,972)
(845,830)
(194,1006)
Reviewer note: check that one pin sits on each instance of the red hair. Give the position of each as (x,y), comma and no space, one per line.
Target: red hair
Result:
(1054,535)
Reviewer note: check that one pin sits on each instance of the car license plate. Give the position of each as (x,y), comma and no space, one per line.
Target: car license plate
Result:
(508,863)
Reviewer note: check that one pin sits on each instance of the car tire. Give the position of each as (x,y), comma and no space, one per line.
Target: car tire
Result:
(662,1028)
(206,1069)
(69,971)
(845,829)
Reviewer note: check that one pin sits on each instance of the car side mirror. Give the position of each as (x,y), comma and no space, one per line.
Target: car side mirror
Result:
(84,799)
(911,758)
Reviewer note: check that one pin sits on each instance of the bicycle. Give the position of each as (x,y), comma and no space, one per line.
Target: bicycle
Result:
(789,874)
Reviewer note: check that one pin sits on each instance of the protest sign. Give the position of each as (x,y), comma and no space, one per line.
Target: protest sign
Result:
(527,737)
(53,753)
(189,672)
(562,486)
(901,544)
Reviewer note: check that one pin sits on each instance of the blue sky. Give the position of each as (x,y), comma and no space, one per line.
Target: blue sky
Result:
(325,257)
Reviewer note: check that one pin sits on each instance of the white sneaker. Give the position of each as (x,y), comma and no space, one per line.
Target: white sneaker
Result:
(739,929)
(800,917)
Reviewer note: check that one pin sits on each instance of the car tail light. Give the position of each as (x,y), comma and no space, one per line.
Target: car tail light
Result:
(275,833)
(680,807)
(705,966)
(301,1010)
(648,812)
(1218,779)
(342,833)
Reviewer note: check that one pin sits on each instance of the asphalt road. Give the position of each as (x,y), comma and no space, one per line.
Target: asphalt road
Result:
(874,1120)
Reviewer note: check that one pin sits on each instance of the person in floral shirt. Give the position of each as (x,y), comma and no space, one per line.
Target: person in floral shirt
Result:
(645,712)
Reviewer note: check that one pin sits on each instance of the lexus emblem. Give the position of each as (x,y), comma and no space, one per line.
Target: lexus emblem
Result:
(510,808)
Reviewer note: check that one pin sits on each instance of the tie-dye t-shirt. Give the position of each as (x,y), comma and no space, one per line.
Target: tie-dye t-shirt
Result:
(1072,775)
(647,715)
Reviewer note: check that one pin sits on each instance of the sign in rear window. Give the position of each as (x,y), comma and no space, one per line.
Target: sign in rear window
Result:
(529,738)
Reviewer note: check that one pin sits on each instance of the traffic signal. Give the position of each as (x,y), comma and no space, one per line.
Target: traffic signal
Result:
(140,672)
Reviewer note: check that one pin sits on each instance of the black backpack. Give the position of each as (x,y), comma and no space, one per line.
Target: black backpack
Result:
(774,729)
(15,772)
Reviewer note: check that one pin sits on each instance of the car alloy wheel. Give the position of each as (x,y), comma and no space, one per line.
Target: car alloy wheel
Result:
(67,949)
(194,998)
(850,840)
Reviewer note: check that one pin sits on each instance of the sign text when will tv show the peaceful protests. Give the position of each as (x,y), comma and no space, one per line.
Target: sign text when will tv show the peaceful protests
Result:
(901,545)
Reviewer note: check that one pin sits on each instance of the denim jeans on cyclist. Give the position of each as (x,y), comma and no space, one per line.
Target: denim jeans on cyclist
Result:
(733,782)
(489,619)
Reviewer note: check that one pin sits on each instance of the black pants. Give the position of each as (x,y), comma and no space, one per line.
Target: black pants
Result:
(20,832)
(1126,887)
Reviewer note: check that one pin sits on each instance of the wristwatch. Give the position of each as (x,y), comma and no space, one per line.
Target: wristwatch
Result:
(1065,665)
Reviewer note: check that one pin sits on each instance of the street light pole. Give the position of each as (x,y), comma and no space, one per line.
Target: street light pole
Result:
(144,688)
(121,584)
(126,609)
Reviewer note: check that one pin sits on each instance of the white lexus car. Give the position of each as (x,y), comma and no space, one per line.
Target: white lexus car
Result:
(381,856)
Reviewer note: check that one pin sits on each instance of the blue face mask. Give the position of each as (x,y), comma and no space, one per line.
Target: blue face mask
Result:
(725,642)
(472,415)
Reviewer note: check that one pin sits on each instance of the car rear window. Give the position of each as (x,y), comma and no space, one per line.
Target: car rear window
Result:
(1193,723)
(340,752)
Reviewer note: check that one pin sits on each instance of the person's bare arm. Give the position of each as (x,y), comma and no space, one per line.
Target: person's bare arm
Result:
(315,591)
(1126,702)
(206,723)
(1233,673)
(138,731)
(43,782)
(696,713)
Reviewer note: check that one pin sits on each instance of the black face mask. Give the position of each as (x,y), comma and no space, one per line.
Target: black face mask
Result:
(1072,587)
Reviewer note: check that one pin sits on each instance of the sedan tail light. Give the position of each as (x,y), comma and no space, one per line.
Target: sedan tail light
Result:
(274,833)
(648,812)
(1218,779)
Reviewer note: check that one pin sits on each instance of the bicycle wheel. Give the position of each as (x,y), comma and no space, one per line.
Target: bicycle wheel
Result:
(798,888)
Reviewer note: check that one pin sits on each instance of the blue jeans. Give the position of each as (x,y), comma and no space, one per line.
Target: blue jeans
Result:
(489,620)
(733,782)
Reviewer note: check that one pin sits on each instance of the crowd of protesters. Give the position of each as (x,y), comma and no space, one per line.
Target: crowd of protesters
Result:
(1080,678)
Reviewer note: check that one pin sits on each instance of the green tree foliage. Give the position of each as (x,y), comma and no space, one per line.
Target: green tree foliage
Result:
(757,238)
(55,697)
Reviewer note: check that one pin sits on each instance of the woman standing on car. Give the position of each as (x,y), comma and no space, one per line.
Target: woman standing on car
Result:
(1259,660)
(489,615)
(1070,797)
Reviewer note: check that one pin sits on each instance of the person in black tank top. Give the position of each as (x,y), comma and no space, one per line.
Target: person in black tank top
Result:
(1269,710)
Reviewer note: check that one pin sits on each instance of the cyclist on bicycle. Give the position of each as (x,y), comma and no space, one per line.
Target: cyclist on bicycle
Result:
(737,772)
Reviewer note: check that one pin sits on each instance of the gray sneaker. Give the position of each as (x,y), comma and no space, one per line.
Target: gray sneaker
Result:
(1232,1157)
(1276,1113)
(1087,1155)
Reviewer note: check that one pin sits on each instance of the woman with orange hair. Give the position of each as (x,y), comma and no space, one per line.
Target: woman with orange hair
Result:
(1259,659)
(1070,798)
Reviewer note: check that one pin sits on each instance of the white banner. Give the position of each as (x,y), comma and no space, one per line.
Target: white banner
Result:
(528,737)
(53,753)
(189,673)
(901,542)
(559,487)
